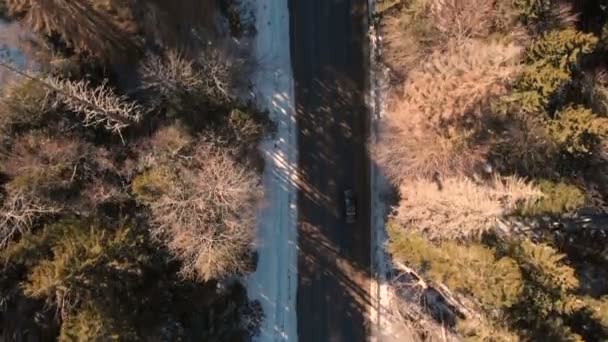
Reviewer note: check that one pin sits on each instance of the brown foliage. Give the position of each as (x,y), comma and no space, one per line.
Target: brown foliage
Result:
(38,161)
(101,28)
(425,26)
(459,208)
(455,83)
(407,154)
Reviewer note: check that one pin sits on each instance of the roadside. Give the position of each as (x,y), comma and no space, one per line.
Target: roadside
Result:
(274,282)
(384,326)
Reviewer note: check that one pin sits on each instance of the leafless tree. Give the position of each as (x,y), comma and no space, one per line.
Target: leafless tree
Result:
(207,218)
(219,79)
(170,75)
(99,105)
(18,212)
(209,75)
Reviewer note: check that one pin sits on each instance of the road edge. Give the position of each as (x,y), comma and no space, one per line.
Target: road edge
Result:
(380,262)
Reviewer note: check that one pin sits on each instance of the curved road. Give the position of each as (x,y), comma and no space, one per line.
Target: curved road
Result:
(328,49)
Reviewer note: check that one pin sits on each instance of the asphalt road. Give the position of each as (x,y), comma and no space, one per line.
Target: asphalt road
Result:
(328,45)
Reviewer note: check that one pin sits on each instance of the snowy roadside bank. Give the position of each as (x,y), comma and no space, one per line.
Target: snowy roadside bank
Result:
(384,325)
(274,283)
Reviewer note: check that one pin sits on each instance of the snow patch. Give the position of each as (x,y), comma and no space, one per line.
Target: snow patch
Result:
(384,328)
(274,283)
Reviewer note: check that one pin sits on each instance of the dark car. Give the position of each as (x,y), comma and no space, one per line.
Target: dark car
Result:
(350,206)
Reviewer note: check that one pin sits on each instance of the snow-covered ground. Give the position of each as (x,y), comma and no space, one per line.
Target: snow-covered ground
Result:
(275,281)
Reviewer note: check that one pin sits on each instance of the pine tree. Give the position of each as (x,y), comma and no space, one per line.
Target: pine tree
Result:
(550,61)
(470,269)
(577,130)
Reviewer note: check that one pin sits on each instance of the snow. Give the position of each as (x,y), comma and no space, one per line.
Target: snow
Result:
(274,282)
(383,326)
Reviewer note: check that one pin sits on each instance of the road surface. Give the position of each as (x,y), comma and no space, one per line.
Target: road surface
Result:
(329,64)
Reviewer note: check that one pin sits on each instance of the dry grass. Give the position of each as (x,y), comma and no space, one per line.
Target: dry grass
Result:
(459,208)
(206,217)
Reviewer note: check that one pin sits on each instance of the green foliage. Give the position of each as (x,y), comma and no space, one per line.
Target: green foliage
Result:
(152,184)
(75,265)
(545,267)
(484,331)
(578,130)
(87,325)
(550,61)
(471,269)
(82,255)
(548,301)
(558,198)
(533,11)
(599,309)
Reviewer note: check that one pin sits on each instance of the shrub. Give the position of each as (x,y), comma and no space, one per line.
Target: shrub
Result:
(577,130)
(459,208)
(25,103)
(558,198)
(170,140)
(153,184)
(472,269)
(40,163)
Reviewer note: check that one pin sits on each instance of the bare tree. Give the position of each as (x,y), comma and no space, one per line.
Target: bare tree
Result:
(99,105)
(206,218)
(209,75)
(219,78)
(18,212)
(170,75)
